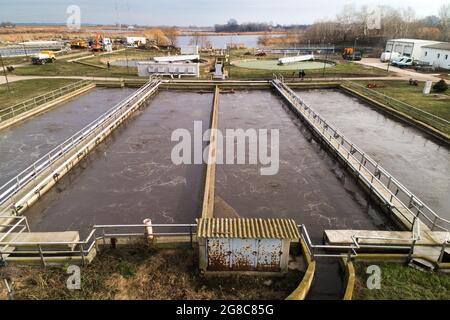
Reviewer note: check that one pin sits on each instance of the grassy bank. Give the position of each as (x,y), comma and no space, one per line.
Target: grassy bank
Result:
(399,282)
(145,273)
(342,69)
(26,89)
(64,68)
(437,104)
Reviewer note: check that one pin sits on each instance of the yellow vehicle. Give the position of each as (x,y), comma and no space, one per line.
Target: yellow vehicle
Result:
(79,44)
(44,57)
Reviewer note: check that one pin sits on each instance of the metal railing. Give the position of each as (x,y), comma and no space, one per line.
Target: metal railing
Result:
(99,233)
(398,193)
(351,251)
(30,104)
(74,143)
(416,113)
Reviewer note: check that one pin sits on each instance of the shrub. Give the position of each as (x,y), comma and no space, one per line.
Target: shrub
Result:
(440,86)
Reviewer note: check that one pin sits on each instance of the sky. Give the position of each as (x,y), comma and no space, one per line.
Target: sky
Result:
(192,12)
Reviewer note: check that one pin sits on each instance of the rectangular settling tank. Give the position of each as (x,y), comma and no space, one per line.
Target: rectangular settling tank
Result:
(310,187)
(131,176)
(21,145)
(414,158)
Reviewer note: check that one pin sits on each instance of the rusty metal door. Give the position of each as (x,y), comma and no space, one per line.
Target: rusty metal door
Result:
(269,254)
(244,254)
(219,254)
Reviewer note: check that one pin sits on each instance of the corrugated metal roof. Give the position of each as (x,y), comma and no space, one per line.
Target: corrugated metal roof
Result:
(247,228)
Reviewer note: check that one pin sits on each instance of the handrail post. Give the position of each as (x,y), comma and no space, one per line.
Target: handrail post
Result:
(82,254)
(41,254)
(441,255)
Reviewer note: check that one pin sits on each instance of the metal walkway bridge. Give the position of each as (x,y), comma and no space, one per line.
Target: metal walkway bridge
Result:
(29,185)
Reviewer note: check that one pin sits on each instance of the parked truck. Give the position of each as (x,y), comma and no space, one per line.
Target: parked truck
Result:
(43,57)
(352,55)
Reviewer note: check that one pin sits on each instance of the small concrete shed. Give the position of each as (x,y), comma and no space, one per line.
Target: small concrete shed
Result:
(242,245)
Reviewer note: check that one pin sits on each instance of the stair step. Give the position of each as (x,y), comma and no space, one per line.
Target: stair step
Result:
(422,264)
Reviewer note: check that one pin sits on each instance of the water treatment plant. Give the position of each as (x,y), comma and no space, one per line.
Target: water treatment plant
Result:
(214,169)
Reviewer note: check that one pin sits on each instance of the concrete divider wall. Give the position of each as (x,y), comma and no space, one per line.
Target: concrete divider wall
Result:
(208,199)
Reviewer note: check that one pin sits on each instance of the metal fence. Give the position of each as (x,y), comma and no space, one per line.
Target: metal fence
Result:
(98,234)
(74,143)
(398,193)
(351,251)
(416,113)
(30,104)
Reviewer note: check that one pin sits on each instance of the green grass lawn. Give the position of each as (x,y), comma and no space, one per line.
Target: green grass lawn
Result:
(64,68)
(437,104)
(26,89)
(399,282)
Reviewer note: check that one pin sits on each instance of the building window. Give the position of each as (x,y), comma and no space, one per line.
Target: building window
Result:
(426,53)
(446,57)
(439,55)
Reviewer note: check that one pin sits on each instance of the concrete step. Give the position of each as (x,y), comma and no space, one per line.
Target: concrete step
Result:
(422,265)
(56,240)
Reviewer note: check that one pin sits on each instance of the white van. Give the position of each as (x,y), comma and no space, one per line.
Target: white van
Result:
(404,62)
(392,56)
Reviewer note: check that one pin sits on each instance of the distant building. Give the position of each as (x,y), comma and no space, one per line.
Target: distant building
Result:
(408,47)
(172,69)
(189,50)
(437,55)
(136,40)
(180,58)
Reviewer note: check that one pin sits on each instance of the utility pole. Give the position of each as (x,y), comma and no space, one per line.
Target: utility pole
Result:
(126,57)
(390,56)
(5,73)
(354,48)
(325,61)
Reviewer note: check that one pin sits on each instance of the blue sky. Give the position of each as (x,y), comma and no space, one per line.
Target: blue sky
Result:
(192,12)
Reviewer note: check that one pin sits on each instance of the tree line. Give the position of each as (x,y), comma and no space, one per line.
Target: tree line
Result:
(378,24)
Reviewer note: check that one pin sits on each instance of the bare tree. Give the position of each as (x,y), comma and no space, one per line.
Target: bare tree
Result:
(171,35)
(444,16)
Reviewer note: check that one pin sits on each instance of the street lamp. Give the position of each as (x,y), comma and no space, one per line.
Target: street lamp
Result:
(390,56)
(354,48)
(326,59)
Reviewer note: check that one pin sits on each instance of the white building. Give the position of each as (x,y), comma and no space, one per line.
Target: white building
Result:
(134,40)
(408,47)
(173,69)
(181,58)
(189,50)
(437,55)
